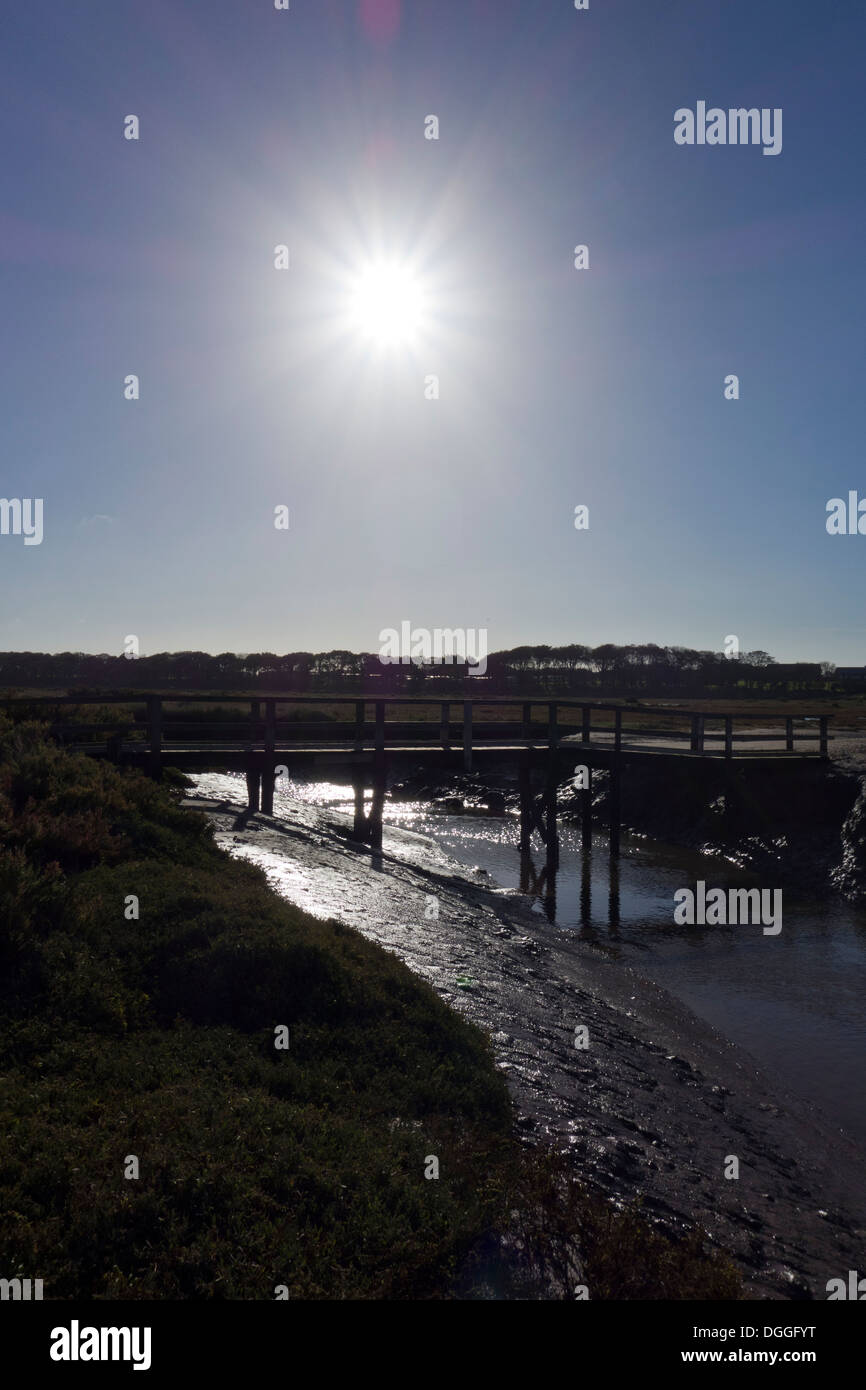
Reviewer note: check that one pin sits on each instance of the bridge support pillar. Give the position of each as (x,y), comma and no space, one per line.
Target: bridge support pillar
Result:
(269,766)
(541,816)
(541,885)
(615,806)
(551,835)
(359,829)
(268,784)
(368,828)
(524,776)
(586,812)
(377,805)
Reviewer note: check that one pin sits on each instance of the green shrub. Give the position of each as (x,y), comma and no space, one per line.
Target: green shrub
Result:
(155,1037)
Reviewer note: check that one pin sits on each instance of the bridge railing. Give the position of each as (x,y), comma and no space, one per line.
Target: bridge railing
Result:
(153,724)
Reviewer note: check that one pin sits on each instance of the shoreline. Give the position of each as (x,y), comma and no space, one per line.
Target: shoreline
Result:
(654,1106)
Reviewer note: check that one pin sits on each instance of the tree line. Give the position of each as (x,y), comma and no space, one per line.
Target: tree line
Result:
(574,669)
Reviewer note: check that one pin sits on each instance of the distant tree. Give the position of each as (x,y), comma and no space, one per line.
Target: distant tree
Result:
(759,659)
(602,659)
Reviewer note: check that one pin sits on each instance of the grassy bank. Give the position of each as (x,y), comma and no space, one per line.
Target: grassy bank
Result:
(153,1038)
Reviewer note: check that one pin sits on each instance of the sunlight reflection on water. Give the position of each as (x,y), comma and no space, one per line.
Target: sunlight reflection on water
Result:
(795,1001)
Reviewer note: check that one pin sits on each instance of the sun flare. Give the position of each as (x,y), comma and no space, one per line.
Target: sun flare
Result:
(387,304)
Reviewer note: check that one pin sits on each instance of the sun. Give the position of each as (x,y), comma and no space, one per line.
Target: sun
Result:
(387,304)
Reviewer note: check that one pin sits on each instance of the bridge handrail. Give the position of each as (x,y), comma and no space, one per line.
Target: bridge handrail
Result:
(698,734)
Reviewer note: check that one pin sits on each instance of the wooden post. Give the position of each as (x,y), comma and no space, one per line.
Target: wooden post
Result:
(359,831)
(586,724)
(524,776)
(693,747)
(551,726)
(253,782)
(268,776)
(586,812)
(789,734)
(823,728)
(551,836)
(615,784)
(377,804)
(254,721)
(467,735)
(445,724)
(154,719)
(360,711)
(729,735)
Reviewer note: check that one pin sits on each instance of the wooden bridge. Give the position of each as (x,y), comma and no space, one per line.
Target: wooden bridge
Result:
(264,741)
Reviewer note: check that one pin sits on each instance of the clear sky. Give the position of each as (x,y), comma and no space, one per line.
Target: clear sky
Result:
(557,387)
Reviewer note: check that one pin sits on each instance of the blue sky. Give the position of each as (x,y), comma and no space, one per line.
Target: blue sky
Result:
(558,387)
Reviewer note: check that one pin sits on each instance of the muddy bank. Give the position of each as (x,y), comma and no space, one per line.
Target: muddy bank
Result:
(652,1108)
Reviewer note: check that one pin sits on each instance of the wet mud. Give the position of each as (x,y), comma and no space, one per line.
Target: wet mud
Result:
(656,1104)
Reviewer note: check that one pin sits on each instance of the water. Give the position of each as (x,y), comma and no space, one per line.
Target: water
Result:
(794,1001)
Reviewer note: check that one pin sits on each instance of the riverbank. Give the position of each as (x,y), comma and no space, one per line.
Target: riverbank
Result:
(208,1093)
(657,1102)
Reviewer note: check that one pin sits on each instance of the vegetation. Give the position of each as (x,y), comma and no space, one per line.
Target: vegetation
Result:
(258,1167)
(643,669)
